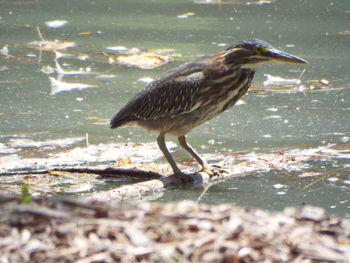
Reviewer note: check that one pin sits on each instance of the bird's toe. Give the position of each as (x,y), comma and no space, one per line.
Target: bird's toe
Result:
(183,180)
(212,171)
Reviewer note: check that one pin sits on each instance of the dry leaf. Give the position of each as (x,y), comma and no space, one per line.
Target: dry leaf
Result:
(48,45)
(84,33)
(324,82)
(92,118)
(123,162)
(144,60)
(344,33)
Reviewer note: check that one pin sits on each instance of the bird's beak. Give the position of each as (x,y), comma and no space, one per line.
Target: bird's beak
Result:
(274,54)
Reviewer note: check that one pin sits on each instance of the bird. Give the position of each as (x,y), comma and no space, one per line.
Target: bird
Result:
(195,92)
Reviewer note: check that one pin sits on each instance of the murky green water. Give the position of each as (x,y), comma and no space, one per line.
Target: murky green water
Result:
(308,117)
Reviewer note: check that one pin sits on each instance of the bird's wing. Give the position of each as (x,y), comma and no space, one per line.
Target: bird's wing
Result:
(174,93)
(170,97)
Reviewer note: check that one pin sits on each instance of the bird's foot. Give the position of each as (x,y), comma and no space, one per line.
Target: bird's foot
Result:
(212,171)
(183,180)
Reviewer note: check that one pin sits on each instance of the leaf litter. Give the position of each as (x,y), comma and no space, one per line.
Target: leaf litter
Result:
(55,230)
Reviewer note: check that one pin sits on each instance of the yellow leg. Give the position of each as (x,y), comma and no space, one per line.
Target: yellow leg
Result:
(205,167)
(183,178)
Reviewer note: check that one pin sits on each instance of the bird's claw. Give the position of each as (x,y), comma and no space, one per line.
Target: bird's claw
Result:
(212,171)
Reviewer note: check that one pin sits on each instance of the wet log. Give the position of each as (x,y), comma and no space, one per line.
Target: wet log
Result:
(151,182)
(143,189)
(103,172)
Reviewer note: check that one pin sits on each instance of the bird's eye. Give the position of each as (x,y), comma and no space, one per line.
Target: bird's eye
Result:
(258,49)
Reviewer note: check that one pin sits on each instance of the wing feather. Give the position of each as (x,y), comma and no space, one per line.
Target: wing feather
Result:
(174,93)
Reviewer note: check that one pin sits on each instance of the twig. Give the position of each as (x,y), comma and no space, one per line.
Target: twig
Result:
(39,33)
(106,172)
(42,39)
(321,177)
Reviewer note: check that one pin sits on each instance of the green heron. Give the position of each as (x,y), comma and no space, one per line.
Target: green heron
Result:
(195,92)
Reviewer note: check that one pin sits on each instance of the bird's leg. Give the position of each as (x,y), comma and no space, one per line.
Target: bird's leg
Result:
(177,172)
(205,167)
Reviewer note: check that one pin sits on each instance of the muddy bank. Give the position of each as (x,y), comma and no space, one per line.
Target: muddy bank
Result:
(53,230)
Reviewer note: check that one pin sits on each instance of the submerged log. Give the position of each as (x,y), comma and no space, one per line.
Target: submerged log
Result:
(54,230)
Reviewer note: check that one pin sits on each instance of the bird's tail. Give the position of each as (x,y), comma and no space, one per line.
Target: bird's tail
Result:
(118,121)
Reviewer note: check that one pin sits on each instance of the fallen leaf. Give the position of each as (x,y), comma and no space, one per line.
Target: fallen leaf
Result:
(144,60)
(123,162)
(84,33)
(324,82)
(309,174)
(92,118)
(48,45)
(344,33)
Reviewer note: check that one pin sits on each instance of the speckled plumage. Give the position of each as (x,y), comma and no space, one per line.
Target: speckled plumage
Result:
(195,92)
(177,102)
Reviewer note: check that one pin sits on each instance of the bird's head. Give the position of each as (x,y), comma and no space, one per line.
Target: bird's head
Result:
(250,53)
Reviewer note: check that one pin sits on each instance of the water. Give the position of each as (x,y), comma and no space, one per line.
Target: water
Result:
(266,122)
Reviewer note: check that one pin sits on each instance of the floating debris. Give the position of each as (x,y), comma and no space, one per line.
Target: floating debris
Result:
(240,102)
(48,45)
(58,86)
(272,117)
(5,51)
(186,15)
(236,2)
(48,70)
(344,33)
(144,60)
(117,48)
(81,71)
(261,2)
(278,81)
(209,2)
(106,76)
(56,23)
(28,143)
(146,80)
(4,149)
(85,33)
(62,55)
(272,109)
(100,153)
(324,82)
